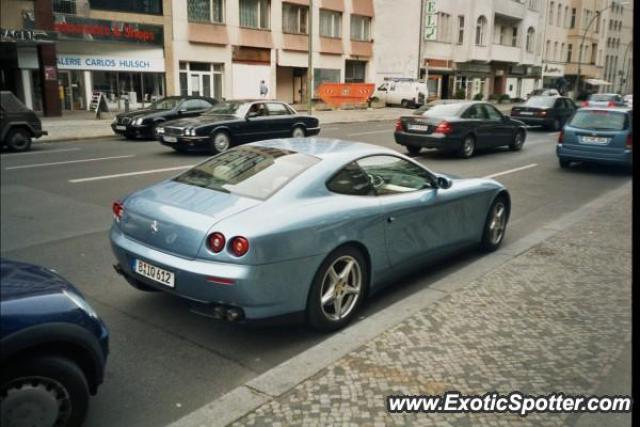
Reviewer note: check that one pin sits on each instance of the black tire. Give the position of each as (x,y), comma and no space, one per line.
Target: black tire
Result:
(214,147)
(18,139)
(518,141)
(468,147)
(564,163)
(413,150)
(61,392)
(404,103)
(316,316)
(295,132)
(489,241)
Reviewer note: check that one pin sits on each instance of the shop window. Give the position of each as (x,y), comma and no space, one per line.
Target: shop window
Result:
(330,23)
(360,27)
(294,18)
(205,11)
(153,7)
(255,14)
(65,6)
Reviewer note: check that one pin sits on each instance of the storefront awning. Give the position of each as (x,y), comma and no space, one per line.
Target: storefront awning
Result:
(597,82)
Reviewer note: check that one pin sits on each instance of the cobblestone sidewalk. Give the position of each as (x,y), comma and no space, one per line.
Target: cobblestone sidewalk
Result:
(554,319)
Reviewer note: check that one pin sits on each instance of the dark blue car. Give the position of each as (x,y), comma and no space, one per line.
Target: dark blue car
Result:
(53,348)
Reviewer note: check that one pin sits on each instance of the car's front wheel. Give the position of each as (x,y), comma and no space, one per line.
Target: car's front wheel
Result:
(298,132)
(18,139)
(518,141)
(337,290)
(46,390)
(495,225)
(220,142)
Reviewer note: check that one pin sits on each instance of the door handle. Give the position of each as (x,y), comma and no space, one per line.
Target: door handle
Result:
(391,219)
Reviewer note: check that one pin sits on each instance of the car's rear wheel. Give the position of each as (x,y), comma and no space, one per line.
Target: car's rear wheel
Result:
(43,391)
(18,139)
(495,225)
(518,141)
(404,103)
(468,148)
(220,142)
(298,132)
(337,289)
(413,150)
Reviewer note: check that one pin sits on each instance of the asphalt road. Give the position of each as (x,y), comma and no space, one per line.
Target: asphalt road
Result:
(165,361)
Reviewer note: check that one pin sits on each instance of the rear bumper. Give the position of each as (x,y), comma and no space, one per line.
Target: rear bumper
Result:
(620,157)
(439,141)
(535,121)
(261,291)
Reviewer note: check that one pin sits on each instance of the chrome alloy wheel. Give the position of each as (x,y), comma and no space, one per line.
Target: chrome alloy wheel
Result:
(298,132)
(468,146)
(221,142)
(498,223)
(35,401)
(341,288)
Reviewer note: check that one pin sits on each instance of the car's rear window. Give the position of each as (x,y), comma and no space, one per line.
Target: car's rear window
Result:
(601,97)
(256,172)
(445,110)
(540,102)
(599,120)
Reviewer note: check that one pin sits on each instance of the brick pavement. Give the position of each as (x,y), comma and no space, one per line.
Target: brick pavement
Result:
(556,318)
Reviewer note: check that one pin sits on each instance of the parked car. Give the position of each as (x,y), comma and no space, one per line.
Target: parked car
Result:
(549,112)
(598,135)
(53,348)
(461,128)
(231,123)
(18,124)
(628,100)
(543,92)
(298,226)
(604,100)
(407,93)
(142,123)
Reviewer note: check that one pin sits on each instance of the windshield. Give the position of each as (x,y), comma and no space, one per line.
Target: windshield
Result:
(540,102)
(165,104)
(445,110)
(256,172)
(600,97)
(599,120)
(230,108)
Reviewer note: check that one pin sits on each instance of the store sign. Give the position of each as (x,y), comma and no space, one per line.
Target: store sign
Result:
(26,35)
(553,70)
(109,63)
(71,27)
(430,20)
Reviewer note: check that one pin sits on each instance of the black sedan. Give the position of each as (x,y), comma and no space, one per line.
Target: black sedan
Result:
(461,128)
(142,123)
(549,112)
(236,122)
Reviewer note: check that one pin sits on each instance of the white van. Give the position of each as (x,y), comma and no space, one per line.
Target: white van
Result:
(408,93)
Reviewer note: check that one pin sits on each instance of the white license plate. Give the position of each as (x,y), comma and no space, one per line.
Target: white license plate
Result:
(169,139)
(526,113)
(422,128)
(154,273)
(594,140)
(121,127)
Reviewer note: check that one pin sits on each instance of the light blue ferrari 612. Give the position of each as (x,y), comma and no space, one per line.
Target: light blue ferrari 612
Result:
(298,226)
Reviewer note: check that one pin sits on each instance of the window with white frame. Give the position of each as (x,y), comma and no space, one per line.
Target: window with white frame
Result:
(563,52)
(531,39)
(460,29)
(255,14)
(205,11)
(566,16)
(555,51)
(559,15)
(360,27)
(481,29)
(330,23)
(547,49)
(572,24)
(552,5)
(294,18)
(514,36)
(444,22)
(569,52)
(201,79)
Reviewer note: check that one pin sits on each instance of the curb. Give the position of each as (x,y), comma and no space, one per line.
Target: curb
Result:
(76,138)
(282,378)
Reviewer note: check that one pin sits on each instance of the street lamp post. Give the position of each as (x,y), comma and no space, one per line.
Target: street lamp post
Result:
(310,59)
(624,61)
(584,35)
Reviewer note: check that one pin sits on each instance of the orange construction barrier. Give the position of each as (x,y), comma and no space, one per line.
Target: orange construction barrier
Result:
(340,94)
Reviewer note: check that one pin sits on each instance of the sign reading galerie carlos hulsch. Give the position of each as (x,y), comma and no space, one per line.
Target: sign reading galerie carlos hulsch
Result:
(111,63)
(70,27)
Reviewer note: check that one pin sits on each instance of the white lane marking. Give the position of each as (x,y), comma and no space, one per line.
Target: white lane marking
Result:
(386,130)
(532,165)
(67,162)
(31,153)
(119,175)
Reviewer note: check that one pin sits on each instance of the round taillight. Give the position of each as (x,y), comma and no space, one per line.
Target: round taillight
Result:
(216,242)
(239,245)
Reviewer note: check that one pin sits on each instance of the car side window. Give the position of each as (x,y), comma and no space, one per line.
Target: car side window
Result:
(351,180)
(192,105)
(393,175)
(492,113)
(258,109)
(276,109)
(474,112)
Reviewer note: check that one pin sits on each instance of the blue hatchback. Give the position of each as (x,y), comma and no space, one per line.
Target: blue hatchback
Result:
(598,135)
(53,348)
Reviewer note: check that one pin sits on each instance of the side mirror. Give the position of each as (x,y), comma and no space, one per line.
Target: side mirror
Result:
(443,182)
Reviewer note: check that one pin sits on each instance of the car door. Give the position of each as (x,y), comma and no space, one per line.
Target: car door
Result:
(256,126)
(568,110)
(500,129)
(280,120)
(475,118)
(192,108)
(420,219)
